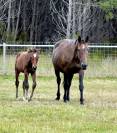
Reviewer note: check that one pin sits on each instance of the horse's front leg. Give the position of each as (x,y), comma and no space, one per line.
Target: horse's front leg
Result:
(25,86)
(81,86)
(33,85)
(16,82)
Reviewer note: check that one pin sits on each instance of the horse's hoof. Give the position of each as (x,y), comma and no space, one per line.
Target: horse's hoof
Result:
(57,98)
(82,102)
(65,100)
(24,99)
(29,100)
(68,99)
(17,98)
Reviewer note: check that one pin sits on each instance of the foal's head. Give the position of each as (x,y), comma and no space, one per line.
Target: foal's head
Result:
(82,52)
(34,56)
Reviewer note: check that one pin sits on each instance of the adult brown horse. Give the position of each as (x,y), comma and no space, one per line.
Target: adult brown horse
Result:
(26,62)
(70,57)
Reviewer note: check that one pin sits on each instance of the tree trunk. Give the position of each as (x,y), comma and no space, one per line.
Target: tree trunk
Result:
(33,21)
(9,17)
(69,19)
(74,19)
(17,23)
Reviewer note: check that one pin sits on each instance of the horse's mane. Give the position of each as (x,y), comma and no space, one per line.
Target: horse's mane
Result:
(32,50)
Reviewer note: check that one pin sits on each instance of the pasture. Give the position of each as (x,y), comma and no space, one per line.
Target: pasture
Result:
(45,115)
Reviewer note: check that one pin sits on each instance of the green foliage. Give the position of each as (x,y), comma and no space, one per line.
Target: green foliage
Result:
(76,35)
(8,36)
(108,6)
(2,28)
(22,37)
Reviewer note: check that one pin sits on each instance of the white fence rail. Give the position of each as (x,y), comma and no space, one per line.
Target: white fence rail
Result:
(102,59)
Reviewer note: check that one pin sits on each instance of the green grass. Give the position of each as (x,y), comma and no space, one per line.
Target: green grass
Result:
(45,115)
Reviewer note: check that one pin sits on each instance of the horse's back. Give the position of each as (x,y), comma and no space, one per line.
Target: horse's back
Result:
(65,42)
(20,60)
(64,47)
(63,53)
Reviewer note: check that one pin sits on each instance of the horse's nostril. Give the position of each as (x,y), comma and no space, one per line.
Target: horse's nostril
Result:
(84,66)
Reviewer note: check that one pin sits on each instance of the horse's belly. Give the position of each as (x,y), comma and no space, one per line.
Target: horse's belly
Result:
(74,70)
(67,68)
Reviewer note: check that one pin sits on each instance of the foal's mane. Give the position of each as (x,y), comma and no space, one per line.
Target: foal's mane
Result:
(33,50)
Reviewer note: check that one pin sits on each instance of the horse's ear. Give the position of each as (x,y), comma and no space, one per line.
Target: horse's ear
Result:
(29,50)
(79,39)
(87,39)
(38,51)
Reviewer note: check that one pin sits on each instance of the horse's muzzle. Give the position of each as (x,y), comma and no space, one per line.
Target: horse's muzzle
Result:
(84,66)
(34,68)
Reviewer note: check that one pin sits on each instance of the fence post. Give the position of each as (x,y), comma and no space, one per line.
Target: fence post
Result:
(4,58)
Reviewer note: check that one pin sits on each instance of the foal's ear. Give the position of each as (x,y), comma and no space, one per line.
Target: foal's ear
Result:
(38,51)
(79,39)
(87,39)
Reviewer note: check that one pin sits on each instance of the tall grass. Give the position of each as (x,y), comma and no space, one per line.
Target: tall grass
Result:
(97,66)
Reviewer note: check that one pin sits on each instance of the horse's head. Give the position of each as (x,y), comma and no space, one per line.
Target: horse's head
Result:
(34,56)
(82,52)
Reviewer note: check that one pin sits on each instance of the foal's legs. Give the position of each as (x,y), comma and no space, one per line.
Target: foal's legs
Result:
(34,85)
(25,86)
(16,82)
(58,83)
(81,86)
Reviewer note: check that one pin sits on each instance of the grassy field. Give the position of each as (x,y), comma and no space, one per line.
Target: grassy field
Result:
(45,115)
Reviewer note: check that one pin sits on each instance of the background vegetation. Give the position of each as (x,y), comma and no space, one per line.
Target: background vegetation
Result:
(51,20)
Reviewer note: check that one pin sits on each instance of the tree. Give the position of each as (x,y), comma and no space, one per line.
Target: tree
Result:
(69,19)
(17,22)
(109,7)
(51,20)
(59,14)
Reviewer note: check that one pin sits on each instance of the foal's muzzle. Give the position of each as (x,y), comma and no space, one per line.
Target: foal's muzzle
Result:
(84,66)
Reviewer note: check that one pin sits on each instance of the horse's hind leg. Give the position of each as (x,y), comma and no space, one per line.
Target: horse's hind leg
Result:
(69,84)
(16,82)
(58,83)
(33,86)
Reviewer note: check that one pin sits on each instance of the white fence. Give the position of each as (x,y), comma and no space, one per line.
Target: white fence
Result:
(102,59)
